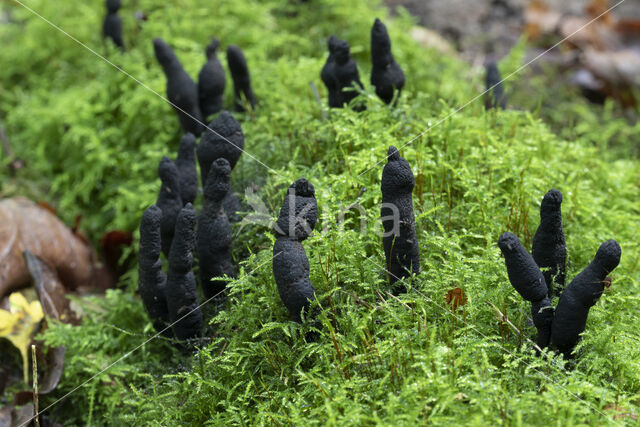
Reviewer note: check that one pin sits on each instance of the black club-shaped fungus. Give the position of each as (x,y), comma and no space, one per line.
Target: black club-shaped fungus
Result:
(169,201)
(241,78)
(549,249)
(226,142)
(214,231)
(224,139)
(112,26)
(211,82)
(298,217)
(386,75)
(151,279)
(340,73)
(495,96)
(399,240)
(186,164)
(181,90)
(580,295)
(182,298)
(527,279)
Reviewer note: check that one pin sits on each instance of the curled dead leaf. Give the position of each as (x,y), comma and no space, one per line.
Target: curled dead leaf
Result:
(49,288)
(29,227)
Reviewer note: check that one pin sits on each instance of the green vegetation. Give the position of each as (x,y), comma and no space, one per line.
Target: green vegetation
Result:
(92,137)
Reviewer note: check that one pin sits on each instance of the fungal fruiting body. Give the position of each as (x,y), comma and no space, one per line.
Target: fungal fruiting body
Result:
(214,231)
(240,76)
(328,76)
(528,281)
(186,164)
(112,26)
(169,201)
(494,96)
(580,295)
(181,90)
(340,73)
(182,298)
(224,139)
(386,75)
(211,82)
(151,279)
(549,249)
(298,217)
(399,239)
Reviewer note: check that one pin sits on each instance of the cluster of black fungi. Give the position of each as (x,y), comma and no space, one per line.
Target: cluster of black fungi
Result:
(173,228)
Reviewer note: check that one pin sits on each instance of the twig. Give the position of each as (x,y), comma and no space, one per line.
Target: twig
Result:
(35,386)
(505,319)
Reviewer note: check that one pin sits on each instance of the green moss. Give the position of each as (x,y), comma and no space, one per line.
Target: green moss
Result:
(92,138)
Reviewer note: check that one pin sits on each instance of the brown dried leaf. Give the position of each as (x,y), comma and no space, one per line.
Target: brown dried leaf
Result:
(540,20)
(50,291)
(25,226)
(456,297)
(599,9)
(598,35)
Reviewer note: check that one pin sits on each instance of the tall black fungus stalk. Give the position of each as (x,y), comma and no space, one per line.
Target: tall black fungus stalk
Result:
(169,201)
(151,279)
(549,249)
(399,240)
(112,26)
(386,75)
(224,139)
(211,82)
(495,96)
(298,217)
(182,298)
(214,231)
(241,78)
(186,164)
(340,74)
(181,90)
(527,279)
(580,295)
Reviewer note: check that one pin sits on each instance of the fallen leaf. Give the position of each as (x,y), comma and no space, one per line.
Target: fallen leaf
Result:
(18,325)
(582,34)
(49,288)
(599,9)
(29,227)
(540,20)
(456,298)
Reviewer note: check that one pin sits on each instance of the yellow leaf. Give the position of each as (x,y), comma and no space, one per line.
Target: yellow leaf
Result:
(18,325)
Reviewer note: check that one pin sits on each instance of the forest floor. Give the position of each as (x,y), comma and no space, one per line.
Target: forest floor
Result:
(91,138)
